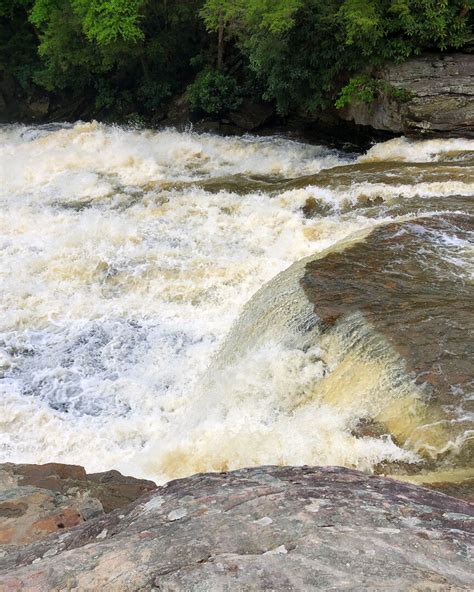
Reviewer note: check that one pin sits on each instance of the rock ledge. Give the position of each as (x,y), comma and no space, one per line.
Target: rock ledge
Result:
(266,528)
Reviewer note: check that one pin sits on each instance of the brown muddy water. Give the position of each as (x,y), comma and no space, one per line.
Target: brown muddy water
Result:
(175,303)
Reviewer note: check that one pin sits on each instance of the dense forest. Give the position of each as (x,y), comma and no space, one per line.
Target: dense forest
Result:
(128,58)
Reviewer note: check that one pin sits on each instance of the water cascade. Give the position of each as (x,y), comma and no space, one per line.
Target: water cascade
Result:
(175,302)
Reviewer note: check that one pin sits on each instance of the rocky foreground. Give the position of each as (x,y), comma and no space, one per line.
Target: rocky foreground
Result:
(38,500)
(266,528)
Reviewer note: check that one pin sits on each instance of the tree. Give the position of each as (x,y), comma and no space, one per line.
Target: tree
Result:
(132,55)
(217,16)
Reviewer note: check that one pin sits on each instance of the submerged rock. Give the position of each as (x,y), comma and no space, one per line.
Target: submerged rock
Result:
(37,500)
(439,100)
(400,291)
(265,528)
(401,278)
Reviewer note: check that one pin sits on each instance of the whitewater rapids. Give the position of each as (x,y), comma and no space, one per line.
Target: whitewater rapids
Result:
(127,259)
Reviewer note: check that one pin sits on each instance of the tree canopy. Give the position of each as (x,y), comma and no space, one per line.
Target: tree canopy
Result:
(133,55)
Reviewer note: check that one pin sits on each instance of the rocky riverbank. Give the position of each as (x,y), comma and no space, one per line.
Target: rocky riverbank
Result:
(266,528)
(438,98)
(438,91)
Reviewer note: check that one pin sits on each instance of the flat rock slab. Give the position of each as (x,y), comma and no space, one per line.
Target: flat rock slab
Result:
(266,528)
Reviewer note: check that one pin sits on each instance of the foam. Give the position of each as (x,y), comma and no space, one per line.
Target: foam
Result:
(119,295)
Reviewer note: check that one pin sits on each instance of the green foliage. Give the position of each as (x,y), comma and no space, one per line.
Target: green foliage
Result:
(298,63)
(269,15)
(106,21)
(128,54)
(213,93)
(304,51)
(131,56)
(363,89)
(18,42)
(366,89)
(216,11)
(67,58)
(395,29)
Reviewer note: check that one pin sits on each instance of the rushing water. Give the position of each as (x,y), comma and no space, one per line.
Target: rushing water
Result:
(146,325)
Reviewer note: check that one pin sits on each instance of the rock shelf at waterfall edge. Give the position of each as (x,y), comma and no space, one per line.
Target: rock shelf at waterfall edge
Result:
(263,528)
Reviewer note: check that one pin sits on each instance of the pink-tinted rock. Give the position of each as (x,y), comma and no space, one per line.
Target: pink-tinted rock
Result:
(28,514)
(37,500)
(111,488)
(266,528)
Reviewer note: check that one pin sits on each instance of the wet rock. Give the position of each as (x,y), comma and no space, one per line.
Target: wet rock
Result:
(310,207)
(52,476)
(266,528)
(115,490)
(401,286)
(250,115)
(38,108)
(396,297)
(178,111)
(440,99)
(463,490)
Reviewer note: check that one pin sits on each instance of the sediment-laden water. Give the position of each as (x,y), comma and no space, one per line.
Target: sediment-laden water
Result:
(174,302)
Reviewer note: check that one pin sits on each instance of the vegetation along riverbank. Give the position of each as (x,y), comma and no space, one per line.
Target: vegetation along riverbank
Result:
(242,65)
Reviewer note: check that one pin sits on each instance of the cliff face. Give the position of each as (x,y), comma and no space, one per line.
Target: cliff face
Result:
(441,102)
(265,528)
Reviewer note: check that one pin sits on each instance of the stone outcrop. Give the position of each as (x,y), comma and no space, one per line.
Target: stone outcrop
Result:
(28,513)
(251,115)
(37,500)
(440,97)
(266,528)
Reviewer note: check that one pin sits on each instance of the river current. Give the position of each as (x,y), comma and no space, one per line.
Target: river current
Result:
(164,310)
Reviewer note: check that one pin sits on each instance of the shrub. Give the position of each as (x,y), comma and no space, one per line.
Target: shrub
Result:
(360,89)
(214,93)
(366,89)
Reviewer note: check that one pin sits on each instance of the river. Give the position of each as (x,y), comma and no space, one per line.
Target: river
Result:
(175,302)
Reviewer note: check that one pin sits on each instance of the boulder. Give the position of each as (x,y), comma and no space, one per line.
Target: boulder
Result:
(395,297)
(111,488)
(439,99)
(384,278)
(264,528)
(178,111)
(37,500)
(38,107)
(251,115)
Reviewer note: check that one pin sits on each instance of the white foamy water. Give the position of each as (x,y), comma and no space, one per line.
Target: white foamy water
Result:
(405,150)
(118,291)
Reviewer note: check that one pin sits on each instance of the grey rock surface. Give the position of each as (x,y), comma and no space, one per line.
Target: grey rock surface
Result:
(441,103)
(266,528)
